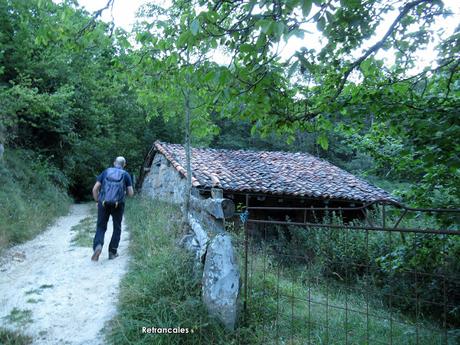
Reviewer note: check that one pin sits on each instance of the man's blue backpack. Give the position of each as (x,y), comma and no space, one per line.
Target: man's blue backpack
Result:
(113,187)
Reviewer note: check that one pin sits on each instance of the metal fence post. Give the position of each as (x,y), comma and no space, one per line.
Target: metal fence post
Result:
(245,303)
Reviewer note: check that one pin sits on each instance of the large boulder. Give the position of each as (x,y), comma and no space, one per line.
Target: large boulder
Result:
(221,277)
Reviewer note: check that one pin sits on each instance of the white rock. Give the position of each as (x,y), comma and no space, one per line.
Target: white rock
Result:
(221,279)
(200,235)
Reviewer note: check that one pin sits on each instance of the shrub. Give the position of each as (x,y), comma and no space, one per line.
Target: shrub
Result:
(415,273)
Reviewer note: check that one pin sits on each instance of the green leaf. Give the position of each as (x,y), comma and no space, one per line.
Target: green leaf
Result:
(300,33)
(366,66)
(326,124)
(261,41)
(172,59)
(195,26)
(350,3)
(290,4)
(264,25)
(293,68)
(209,76)
(322,141)
(162,23)
(247,48)
(306,7)
(183,38)
(213,43)
(321,24)
(278,28)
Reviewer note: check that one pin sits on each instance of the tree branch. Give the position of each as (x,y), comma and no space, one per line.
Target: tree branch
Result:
(376,47)
(451,76)
(95,16)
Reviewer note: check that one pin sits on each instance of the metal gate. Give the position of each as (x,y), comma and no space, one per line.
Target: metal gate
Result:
(389,276)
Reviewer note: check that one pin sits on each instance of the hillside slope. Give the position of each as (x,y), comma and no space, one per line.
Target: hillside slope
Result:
(32,195)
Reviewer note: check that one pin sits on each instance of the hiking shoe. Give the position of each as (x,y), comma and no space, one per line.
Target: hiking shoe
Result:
(112,255)
(97,252)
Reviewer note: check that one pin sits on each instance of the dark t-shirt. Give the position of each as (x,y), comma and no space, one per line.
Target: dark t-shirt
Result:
(128,182)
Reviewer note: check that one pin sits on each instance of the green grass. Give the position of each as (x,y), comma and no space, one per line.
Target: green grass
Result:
(19,316)
(38,290)
(162,289)
(34,300)
(84,232)
(29,198)
(293,306)
(8,337)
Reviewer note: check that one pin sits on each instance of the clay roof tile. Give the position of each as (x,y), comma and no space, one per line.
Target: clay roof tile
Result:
(270,172)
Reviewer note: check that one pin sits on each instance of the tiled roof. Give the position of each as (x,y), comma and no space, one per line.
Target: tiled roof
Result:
(280,173)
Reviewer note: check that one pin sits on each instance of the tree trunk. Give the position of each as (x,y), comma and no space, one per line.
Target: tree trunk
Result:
(188,153)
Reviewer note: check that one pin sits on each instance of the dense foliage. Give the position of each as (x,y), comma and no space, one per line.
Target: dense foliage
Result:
(406,120)
(80,91)
(384,262)
(64,91)
(277,309)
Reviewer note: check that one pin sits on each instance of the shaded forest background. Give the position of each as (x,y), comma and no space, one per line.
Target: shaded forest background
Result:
(75,91)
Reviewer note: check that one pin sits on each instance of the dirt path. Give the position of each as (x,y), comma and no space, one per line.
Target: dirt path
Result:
(52,291)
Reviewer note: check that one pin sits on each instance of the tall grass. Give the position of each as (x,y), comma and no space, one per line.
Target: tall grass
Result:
(294,305)
(8,337)
(31,196)
(163,289)
(421,269)
(163,286)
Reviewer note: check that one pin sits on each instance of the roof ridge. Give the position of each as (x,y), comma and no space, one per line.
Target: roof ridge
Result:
(241,150)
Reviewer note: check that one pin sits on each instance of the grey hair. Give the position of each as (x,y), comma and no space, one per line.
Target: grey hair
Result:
(120,162)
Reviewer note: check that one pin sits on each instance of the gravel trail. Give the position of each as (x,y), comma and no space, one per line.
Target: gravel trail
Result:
(51,290)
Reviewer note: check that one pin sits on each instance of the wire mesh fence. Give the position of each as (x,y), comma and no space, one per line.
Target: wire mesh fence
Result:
(320,276)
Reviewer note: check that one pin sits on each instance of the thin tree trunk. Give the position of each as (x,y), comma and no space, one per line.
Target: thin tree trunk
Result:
(188,153)
(188,150)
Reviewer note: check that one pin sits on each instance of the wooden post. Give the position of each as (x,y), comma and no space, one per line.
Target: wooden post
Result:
(218,208)
(217,193)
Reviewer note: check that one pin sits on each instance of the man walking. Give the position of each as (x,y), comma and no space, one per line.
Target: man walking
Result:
(109,192)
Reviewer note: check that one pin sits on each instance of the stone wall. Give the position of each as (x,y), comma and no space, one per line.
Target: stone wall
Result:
(163,182)
(214,250)
(207,238)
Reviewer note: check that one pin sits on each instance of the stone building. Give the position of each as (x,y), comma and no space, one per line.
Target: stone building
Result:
(257,178)
(225,179)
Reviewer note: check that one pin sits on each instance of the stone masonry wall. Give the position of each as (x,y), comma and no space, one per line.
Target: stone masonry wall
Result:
(164,182)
